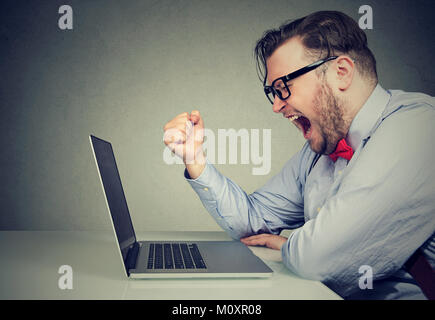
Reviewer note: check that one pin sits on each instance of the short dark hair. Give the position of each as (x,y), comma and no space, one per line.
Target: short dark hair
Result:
(323,34)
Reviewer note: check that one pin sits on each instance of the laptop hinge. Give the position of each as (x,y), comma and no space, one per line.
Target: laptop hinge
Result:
(130,260)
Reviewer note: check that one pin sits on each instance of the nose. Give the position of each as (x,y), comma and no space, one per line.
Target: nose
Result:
(278,104)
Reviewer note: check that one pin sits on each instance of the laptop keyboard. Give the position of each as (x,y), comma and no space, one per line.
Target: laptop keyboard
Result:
(175,256)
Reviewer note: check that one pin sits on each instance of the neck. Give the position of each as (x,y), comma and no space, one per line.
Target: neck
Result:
(357,97)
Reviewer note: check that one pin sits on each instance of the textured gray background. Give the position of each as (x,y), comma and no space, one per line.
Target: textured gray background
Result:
(130,66)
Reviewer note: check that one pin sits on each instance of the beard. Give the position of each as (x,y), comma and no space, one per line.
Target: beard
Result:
(332,124)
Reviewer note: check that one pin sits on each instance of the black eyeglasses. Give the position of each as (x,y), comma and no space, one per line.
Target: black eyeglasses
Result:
(279,86)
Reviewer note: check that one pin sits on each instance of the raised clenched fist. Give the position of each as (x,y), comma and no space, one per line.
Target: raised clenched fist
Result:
(184,136)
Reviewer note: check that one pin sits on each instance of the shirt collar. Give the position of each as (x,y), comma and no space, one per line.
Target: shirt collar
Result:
(367,116)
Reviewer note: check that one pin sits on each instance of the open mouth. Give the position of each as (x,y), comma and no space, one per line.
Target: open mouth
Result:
(302,123)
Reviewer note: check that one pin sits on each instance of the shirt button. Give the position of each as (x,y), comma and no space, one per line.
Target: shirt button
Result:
(205,189)
(340,172)
(318,209)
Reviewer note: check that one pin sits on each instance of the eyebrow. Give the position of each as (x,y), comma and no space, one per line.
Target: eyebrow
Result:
(280,85)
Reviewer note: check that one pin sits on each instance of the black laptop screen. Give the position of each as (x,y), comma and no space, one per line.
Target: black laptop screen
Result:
(114,193)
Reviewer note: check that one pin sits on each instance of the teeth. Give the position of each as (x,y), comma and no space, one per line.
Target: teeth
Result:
(293,118)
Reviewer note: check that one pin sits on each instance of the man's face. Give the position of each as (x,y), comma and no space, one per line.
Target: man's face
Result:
(312,106)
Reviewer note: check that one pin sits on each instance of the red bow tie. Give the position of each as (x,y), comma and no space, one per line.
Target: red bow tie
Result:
(343,150)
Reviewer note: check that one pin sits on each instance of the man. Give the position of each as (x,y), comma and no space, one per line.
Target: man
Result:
(361,191)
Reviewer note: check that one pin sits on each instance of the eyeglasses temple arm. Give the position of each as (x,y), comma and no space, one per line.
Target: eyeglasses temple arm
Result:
(309,68)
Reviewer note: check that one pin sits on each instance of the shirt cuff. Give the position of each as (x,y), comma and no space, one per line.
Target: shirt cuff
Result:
(203,184)
(201,176)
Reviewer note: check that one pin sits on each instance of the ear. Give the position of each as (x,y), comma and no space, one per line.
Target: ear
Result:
(343,71)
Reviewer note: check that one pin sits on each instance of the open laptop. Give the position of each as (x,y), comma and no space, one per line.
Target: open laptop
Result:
(168,259)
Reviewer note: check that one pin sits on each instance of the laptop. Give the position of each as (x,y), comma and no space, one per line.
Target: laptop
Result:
(168,259)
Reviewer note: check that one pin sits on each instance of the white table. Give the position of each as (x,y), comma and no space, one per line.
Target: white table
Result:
(30,262)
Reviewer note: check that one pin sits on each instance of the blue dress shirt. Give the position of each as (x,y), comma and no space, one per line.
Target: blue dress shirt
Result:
(374,210)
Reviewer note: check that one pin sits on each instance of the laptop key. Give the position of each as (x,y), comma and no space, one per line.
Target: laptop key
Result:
(169,263)
(158,256)
(186,256)
(151,257)
(178,259)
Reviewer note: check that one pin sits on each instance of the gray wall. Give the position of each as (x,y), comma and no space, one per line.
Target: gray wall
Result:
(127,68)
